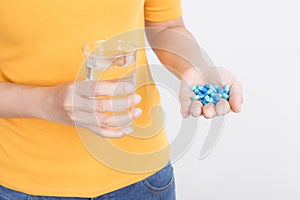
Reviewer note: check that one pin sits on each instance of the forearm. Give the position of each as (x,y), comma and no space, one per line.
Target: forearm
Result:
(20,101)
(175,47)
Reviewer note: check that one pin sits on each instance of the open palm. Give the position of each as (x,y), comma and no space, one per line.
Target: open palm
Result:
(211,75)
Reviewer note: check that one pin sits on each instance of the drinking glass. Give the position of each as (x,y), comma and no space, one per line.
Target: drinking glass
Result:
(112,61)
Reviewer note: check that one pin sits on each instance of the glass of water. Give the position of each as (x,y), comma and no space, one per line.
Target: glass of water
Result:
(113,61)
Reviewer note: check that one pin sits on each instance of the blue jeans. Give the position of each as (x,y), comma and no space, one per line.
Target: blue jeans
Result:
(159,186)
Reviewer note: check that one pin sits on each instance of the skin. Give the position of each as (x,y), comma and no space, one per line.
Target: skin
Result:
(70,105)
(223,107)
(194,71)
(66,105)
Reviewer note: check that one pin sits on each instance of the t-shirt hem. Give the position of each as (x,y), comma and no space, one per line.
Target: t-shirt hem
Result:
(166,16)
(82,193)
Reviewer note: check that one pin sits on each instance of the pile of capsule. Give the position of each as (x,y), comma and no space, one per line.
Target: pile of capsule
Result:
(210,93)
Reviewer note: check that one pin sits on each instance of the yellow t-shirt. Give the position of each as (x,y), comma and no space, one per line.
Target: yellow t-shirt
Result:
(40,45)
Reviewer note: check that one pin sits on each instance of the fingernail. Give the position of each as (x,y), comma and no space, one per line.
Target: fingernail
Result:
(210,112)
(137,112)
(184,114)
(137,99)
(127,130)
(128,88)
(239,108)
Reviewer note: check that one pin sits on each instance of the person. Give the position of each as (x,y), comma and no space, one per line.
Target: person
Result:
(41,153)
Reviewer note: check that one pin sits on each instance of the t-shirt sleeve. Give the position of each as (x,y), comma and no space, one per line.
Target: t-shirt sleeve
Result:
(162,10)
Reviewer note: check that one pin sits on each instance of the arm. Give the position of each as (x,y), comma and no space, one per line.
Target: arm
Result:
(178,50)
(70,104)
(174,45)
(20,101)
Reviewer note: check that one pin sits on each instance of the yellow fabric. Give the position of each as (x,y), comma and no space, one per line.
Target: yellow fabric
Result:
(40,45)
(162,10)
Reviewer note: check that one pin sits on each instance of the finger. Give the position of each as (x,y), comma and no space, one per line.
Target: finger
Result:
(102,88)
(121,120)
(99,119)
(185,101)
(209,111)
(185,108)
(236,97)
(196,108)
(90,122)
(222,107)
(111,132)
(82,118)
(106,105)
(121,104)
(116,133)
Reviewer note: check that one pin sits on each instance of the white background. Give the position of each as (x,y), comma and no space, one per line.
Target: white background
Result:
(258,156)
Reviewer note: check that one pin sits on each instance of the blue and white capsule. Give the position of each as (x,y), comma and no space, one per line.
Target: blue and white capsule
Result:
(226,88)
(210,93)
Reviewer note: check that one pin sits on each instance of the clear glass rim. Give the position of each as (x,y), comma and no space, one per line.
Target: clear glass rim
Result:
(133,50)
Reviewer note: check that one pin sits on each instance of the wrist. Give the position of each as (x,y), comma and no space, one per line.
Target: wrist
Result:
(32,99)
(38,102)
(22,101)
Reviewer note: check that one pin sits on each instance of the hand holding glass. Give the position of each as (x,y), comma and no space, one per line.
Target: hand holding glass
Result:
(113,65)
